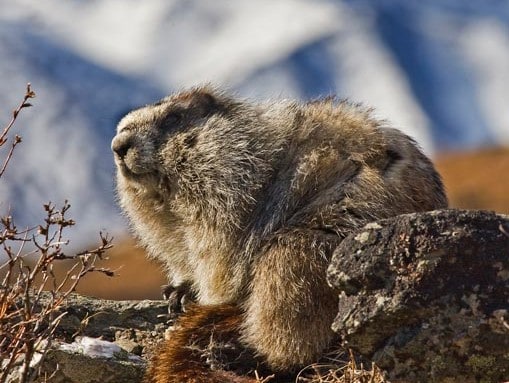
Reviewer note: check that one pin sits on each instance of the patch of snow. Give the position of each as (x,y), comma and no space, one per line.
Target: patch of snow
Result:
(92,347)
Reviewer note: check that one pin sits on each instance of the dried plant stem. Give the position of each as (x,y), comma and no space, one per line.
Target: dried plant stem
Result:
(24,104)
(27,321)
(17,139)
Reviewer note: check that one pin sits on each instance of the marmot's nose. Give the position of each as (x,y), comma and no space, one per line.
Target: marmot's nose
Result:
(121,145)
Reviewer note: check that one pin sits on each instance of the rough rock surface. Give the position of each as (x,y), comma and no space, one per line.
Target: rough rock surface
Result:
(64,366)
(114,336)
(426,296)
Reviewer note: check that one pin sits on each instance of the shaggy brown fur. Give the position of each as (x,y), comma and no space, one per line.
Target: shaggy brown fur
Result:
(246,202)
(181,358)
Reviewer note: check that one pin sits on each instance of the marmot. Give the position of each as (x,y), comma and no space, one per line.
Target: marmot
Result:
(245,202)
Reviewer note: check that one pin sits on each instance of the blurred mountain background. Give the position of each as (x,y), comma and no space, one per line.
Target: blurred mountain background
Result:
(438,70)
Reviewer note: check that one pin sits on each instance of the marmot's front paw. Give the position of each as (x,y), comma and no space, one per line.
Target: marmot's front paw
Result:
(178,297)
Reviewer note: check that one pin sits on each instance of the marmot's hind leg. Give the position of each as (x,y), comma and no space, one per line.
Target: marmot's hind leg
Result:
(290,309)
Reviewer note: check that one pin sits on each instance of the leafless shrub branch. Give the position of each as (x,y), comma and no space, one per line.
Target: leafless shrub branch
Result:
(17,139)
(28,321)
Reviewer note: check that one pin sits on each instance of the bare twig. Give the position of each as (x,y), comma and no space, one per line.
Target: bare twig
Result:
(17,139)
(24,104)
(27,321)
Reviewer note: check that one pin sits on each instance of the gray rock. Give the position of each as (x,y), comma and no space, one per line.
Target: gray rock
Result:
(426,296)
(112,336)
(75,363)
(106,318)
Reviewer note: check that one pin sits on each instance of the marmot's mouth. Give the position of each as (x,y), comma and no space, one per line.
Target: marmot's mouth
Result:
(147,178)
(130,168)
(133,173)
(124,170)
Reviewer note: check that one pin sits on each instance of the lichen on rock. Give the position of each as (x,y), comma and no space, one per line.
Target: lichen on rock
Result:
(431,295)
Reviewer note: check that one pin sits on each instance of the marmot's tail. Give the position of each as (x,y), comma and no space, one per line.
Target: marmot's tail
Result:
(188,355)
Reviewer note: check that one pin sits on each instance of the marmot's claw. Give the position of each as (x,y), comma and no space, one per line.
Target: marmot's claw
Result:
(178,297)
(166,290)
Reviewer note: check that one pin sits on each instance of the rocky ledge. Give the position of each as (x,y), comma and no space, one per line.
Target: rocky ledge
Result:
(425,296)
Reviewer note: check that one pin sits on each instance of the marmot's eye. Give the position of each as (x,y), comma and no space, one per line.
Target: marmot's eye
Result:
(172,119)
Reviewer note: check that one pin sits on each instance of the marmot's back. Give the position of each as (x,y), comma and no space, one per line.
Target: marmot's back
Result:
(341,168)
(246,202)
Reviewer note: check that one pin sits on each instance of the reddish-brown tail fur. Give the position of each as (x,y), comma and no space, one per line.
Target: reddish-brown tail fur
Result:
(181,359)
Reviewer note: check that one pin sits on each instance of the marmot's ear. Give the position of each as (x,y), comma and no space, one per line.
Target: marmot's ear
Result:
(206,102)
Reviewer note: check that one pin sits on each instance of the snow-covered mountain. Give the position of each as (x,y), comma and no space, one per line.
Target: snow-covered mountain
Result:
(438,70)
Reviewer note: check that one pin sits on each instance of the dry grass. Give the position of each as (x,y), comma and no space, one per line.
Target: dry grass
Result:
(340,371)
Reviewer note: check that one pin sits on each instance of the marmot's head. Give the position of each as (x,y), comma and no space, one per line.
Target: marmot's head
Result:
(143,134)
(200,145)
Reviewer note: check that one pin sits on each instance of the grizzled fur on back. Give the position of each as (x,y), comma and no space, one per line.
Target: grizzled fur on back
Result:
(245,202)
